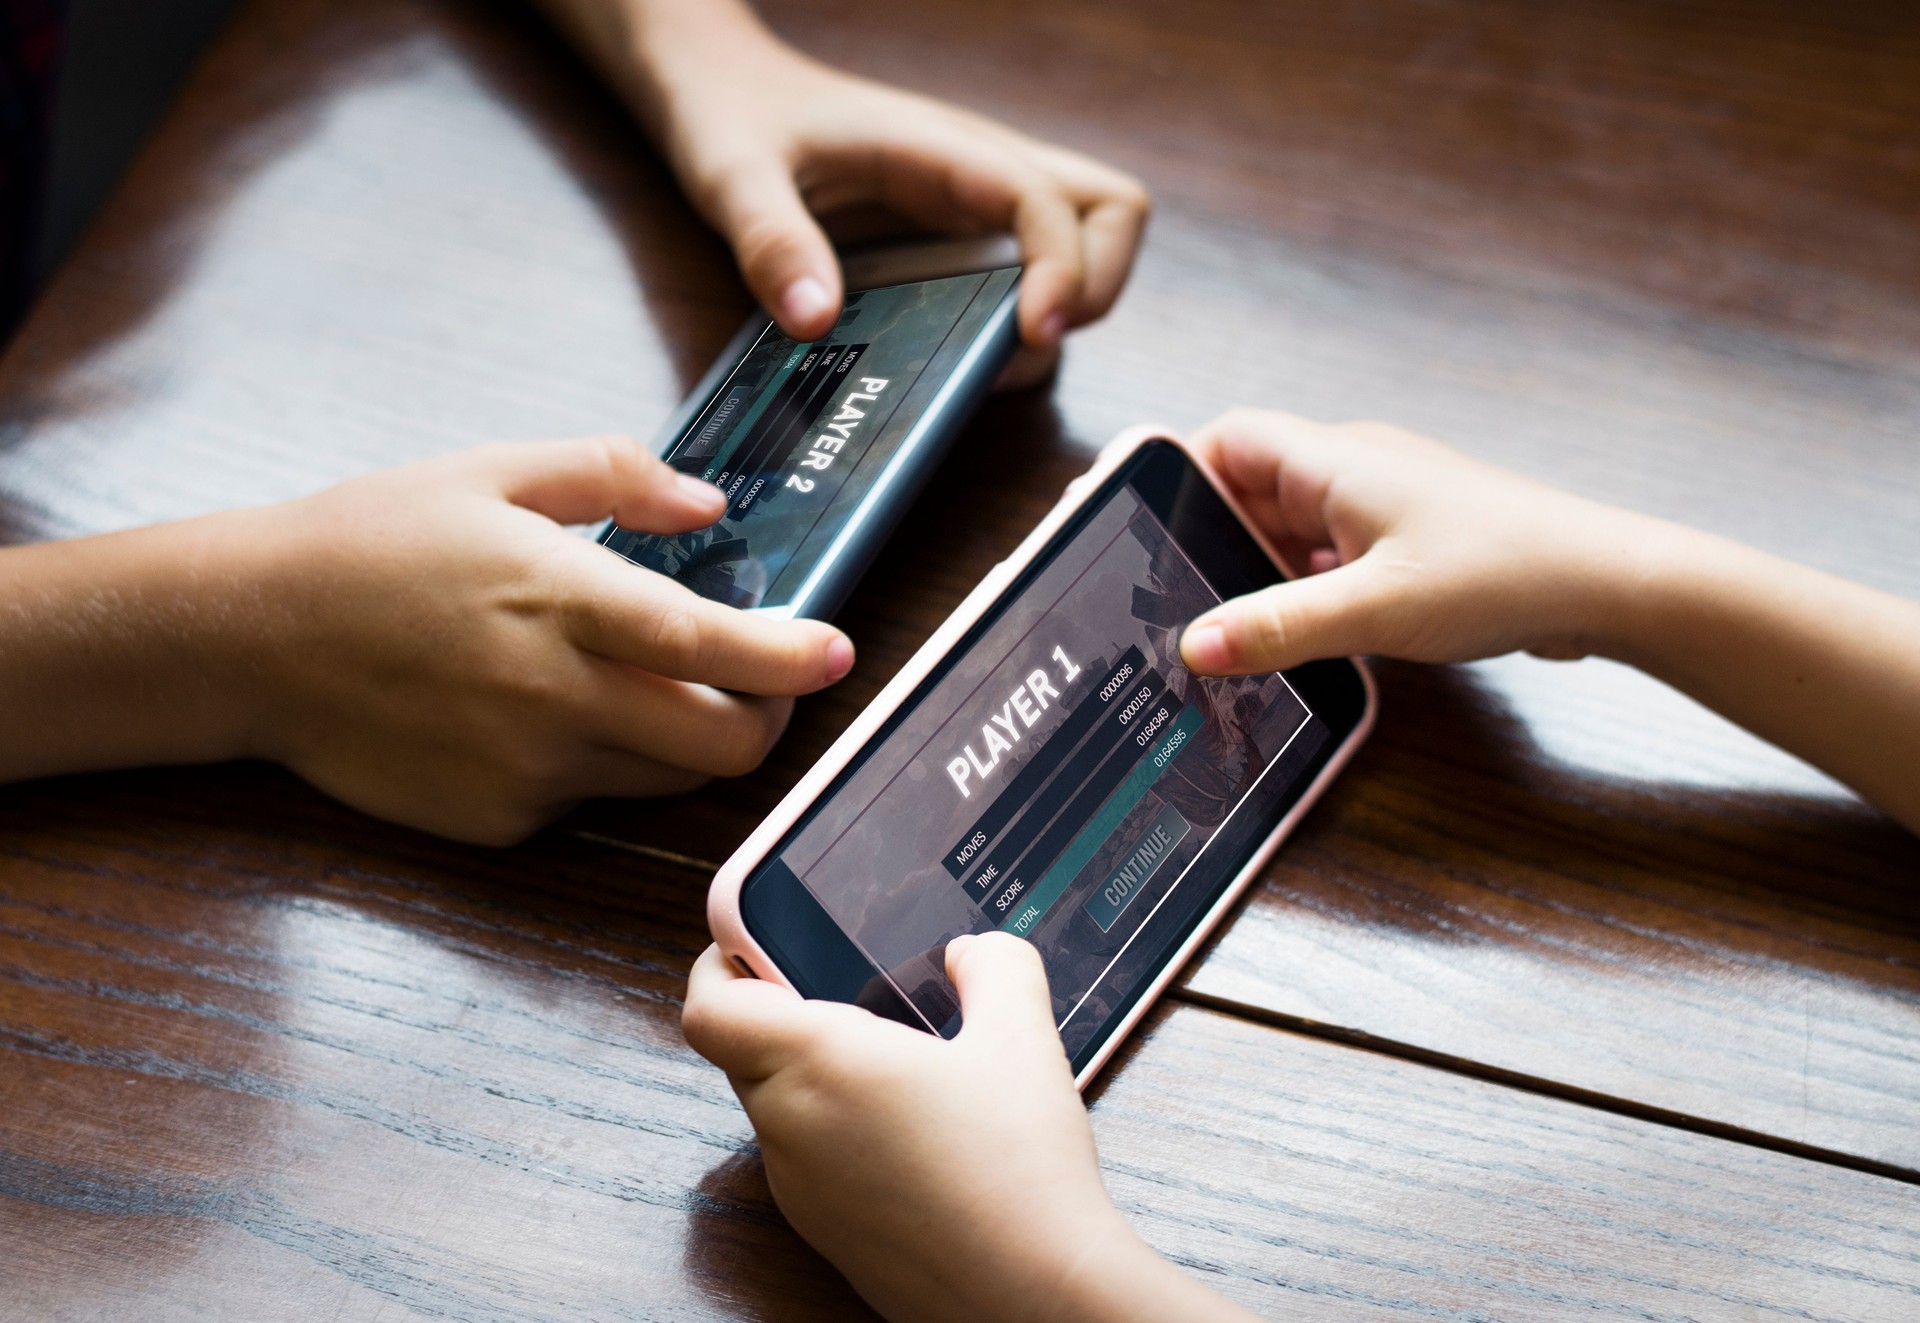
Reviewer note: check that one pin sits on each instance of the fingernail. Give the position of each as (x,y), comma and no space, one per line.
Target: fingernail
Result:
(695,492)
(839,658)
(804,302)
(1205,648)
(1053,328)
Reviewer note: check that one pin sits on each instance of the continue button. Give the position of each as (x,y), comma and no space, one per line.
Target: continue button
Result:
(1139,865)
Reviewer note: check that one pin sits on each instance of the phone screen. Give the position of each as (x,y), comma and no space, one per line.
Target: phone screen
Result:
(798,435)
(1062,776)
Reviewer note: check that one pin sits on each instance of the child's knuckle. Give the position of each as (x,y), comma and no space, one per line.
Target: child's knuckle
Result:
(683,639)
(738,744)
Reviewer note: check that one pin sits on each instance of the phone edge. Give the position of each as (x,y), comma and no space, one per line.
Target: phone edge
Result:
(905,476)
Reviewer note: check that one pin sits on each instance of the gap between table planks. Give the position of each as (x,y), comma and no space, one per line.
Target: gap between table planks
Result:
(266,1059)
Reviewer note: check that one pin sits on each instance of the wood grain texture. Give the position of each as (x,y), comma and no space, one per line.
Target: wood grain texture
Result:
(331,1070)
(1743,957)
(267,1059)
(1346,1185)
(1662,254)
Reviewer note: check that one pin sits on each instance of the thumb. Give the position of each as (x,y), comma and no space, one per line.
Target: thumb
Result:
(1002,984)
(783,253)
(746,1026)
(577,482)
(1338,613)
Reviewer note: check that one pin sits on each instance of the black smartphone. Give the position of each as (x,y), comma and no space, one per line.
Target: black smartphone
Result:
(820,447)
(1046,766)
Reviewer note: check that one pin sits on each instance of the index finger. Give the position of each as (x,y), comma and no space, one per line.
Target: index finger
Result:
(629,614)
(1276,464)
(1113,209)
(996,179)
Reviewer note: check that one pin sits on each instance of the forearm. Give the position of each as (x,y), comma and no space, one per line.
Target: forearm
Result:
(1825,668)
(1085,1264)
(651,50)
(1121,1278)
(110,652)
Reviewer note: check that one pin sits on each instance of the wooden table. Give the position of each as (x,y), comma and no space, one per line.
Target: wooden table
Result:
(1571,1001)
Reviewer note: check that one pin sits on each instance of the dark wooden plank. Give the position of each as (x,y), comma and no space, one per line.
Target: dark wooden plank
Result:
(1744,955)
(1316,1181)
(264,1060)
(1663,253)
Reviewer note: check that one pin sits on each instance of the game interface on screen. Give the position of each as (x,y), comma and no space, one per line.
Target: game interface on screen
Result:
(797,432)
(1066,780)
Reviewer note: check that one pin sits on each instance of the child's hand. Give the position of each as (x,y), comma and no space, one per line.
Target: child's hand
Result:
(1412,550)
(431,645)
(764,139)
(947,1180)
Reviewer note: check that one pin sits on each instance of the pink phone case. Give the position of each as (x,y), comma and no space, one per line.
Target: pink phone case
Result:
(723,900)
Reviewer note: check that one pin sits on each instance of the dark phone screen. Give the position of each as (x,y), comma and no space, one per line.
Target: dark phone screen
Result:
(1061,776)
(796,435)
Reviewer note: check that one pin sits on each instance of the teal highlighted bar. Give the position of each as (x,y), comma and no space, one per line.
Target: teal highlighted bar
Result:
(730,449)
(1122,802)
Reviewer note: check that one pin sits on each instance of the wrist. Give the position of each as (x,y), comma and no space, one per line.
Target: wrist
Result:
(663,55)
(192,640)
(1601,592)
(1115,1275)
(1643,582)
(115,653)
(237,597)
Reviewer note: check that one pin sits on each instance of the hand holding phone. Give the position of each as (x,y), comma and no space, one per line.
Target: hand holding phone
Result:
(766,139)
(433,646)
(974,1152)
(1427,554)
(1417,551)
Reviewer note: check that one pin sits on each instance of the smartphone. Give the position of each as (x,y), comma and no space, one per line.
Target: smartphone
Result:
(1045,765)
(820,447)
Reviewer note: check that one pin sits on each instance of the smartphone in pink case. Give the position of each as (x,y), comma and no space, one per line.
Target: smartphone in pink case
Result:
(1045,765)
